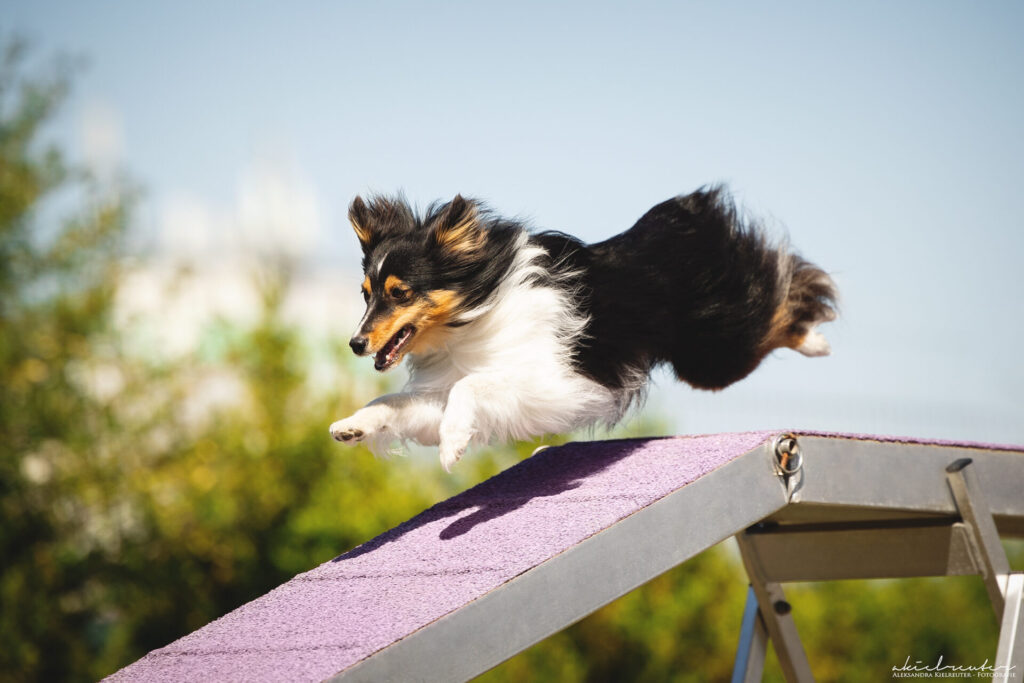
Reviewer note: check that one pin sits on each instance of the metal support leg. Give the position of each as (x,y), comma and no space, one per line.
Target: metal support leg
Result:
(988,552)
(778,618)
(1005,589)
(1010,653)
(753,646)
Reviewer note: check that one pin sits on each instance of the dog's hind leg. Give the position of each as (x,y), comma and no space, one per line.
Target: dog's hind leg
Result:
(810,301)
(814,344)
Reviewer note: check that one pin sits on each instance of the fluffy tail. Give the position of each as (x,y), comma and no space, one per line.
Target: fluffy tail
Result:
(808,299)
(776,296)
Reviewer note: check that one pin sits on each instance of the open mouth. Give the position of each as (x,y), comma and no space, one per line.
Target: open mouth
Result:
(387,356)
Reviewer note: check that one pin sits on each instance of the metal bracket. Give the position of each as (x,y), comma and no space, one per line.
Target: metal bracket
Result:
(767,613)
(789,463)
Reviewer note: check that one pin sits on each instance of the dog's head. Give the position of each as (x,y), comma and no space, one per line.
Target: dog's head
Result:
(420,275)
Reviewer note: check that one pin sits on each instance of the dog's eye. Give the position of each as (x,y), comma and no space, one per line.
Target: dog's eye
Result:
(366,295)
(399,294)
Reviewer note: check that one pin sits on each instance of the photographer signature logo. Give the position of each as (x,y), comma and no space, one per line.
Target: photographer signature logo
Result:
(920,669)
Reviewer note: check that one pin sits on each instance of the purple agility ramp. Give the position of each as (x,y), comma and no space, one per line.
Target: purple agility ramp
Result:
(475,579)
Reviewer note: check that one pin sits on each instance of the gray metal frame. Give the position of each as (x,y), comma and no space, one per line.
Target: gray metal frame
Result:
(850,517)
(807,516)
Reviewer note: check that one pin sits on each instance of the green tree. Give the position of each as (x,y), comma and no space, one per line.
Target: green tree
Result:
(56,289)
(124,523)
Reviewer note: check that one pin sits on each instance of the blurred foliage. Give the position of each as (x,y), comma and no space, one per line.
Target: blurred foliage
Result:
(135,509)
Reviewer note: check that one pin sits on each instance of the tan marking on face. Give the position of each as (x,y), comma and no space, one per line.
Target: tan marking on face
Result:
(393,282)
(427,313)
(386,328)
(433,333)
(366,285)
(445,302)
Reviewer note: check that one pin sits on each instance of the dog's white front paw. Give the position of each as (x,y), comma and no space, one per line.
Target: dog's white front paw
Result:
(363,424)
(453,446)
(451,454)
(346,431)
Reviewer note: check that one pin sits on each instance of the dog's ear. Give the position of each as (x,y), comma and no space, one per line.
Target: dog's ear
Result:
(457,229)
(381,216)
(359,217)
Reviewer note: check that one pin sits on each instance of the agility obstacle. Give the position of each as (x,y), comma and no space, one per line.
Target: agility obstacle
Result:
(482,576)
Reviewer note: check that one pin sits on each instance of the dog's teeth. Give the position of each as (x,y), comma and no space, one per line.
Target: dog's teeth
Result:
(389,352)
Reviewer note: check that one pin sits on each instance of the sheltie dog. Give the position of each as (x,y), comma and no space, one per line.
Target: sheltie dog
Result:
(512,335)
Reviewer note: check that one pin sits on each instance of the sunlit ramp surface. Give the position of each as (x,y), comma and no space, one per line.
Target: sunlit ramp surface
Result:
(480,577)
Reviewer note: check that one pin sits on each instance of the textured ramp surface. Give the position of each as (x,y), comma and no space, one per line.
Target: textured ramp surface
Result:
(325,620)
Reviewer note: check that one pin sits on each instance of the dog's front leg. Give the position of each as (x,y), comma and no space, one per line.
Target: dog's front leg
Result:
(392,417)
(473,404)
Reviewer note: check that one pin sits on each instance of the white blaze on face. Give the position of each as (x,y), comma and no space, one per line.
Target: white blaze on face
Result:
(361,327)
(380,263)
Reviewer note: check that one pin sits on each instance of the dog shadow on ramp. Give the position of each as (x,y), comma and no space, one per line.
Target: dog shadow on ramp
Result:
(561,473)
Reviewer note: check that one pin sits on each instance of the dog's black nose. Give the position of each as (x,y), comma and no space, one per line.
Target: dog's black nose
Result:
(358,345)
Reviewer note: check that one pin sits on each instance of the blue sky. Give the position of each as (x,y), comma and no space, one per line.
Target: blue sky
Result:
(884,138)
